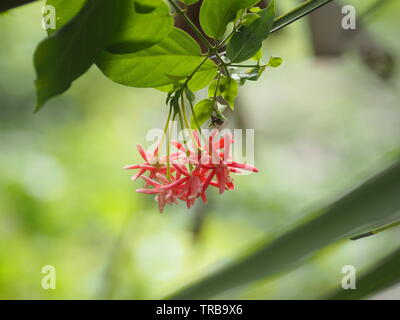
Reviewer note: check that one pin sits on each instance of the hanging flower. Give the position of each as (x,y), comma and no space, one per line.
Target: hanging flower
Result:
(187,174)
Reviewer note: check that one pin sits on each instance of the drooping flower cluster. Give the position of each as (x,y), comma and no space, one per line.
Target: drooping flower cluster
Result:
(187,174)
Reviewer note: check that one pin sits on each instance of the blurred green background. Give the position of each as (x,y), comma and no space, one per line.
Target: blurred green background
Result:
(321,124)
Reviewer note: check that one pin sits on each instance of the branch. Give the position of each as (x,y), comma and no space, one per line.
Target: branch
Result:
(297,13)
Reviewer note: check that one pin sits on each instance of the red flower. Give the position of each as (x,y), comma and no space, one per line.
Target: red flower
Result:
(190,172)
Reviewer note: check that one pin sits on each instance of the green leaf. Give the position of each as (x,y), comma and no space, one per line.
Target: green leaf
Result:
(249,18)
(373,203)
(255,9)
(252,75)
(258,56)
(176,57)
(137,30)
(65,11)
(215,15)
(382,276)
(275,62)
(302,10)
(202,112)
(69,52)
(248,40)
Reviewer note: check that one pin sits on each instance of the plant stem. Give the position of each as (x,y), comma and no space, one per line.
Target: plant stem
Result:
(299,12)
(216,91)
(373,232)
(187,122)
(195,70)
(192,25)
(166,134)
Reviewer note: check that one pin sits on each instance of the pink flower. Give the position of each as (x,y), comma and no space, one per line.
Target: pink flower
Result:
(190,172)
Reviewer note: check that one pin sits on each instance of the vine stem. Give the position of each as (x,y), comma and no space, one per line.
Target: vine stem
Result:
(192,25)
(195,70)
(185,119)
(216,91)
(376,231)
(166,134)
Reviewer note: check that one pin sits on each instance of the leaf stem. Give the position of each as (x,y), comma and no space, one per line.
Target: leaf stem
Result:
(216,91)
(195,70)
(192,25)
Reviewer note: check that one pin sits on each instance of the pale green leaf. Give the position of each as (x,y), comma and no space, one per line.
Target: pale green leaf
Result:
(215,15)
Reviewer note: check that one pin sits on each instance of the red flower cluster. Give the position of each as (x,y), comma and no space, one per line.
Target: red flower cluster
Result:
(187,174)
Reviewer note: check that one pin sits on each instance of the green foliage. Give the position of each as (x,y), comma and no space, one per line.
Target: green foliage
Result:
(373,203)
(65,11)
(202,112)
(141,29)
(247,41)
(275,62)
(69,52)
(216,14)
(172,59)
(228,89)
(134,43)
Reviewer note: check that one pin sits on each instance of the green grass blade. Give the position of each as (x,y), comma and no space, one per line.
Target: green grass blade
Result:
(384,275)
(299,12)
(374,203)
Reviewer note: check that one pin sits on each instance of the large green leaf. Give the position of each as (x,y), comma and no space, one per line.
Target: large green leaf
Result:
(70,51)
(215,15)
(176,57)
(247,41)
(373,203)
(384,275)
(143,24)
(302,10)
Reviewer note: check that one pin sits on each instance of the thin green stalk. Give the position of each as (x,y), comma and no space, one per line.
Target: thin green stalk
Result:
(216,91)
(165,134)
(187,123)
(299,12)
(195,117)
(195,71)
(376,231)
(192,25)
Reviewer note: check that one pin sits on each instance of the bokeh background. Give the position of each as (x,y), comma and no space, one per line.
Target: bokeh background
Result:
(322,124)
